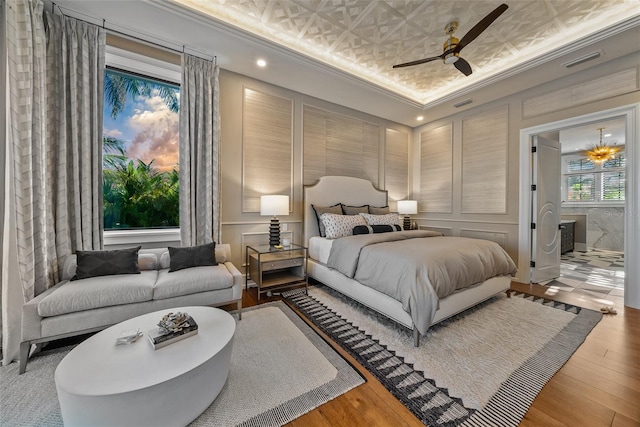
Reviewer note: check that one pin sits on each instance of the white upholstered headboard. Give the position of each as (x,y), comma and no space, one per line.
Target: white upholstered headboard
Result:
(330,190)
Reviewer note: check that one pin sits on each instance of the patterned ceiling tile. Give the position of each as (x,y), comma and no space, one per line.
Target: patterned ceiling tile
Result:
(367,37)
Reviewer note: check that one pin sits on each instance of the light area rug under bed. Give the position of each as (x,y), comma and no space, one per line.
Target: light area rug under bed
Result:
(482,367)
(280,369)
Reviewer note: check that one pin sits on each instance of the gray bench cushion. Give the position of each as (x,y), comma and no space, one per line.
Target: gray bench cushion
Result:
(192,280)
(95,292)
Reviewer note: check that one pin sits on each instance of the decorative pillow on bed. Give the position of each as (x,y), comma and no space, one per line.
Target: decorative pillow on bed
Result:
(354,210)
(192,256)
(106,263)
(370,229)
(319,210)
(337,226)
(387,219)
(379,211)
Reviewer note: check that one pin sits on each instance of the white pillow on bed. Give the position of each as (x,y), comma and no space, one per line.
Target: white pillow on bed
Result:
(336,226)
(387,219)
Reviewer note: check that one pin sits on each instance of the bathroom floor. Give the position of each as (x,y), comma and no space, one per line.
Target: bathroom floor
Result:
(597,273)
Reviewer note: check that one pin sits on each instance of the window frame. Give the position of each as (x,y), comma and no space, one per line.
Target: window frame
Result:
(598,171)
(145,66)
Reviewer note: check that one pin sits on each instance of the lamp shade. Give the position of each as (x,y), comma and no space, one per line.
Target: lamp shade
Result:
(408,207)
(274,205)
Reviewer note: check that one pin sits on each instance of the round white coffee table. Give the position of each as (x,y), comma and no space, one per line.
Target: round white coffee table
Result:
(101,384)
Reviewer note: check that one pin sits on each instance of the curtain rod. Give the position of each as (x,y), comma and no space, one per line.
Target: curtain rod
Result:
(201,55)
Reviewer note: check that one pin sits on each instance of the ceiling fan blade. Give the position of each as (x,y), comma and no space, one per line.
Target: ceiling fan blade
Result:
(463,66)
(481,26)
(418,62)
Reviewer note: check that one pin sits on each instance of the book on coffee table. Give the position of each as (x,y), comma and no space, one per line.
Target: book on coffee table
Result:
(159,338)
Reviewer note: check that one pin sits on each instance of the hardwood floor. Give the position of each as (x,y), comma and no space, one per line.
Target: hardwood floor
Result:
(598,386)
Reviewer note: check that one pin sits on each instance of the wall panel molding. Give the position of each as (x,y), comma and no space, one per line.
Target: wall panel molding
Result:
(396,169)
(583,93)
(267,147)
(500,237)
(485,148)
(447,231)
(336,144)
(436,170)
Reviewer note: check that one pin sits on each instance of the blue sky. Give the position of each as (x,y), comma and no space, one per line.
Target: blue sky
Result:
(148,128)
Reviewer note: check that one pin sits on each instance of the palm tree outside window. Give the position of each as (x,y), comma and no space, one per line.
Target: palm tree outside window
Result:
(140,152)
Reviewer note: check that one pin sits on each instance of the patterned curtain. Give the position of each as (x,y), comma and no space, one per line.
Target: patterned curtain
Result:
(53,155)
(199,152)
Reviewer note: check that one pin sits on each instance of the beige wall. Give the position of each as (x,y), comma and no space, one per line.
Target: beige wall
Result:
(241,228)
(503,227)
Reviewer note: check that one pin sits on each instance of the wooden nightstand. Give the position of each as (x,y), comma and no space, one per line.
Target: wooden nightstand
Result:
(276,269)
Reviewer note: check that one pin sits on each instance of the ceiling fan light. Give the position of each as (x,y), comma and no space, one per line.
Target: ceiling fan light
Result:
(451,59)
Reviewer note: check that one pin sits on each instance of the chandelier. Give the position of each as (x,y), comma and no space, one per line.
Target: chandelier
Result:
(601,152)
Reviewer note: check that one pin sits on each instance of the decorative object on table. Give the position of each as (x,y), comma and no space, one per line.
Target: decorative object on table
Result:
(274,205)
(406,208)
(171,328)
(286,242)
(128,336)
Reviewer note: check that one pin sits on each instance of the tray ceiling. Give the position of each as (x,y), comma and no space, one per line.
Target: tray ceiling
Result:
(366,38)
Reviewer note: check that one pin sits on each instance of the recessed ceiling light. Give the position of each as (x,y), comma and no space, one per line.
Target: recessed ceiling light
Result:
(607,135)
(420,118)
(261,63)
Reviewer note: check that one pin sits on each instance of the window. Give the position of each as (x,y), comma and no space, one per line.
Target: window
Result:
(140,155)
(586,181)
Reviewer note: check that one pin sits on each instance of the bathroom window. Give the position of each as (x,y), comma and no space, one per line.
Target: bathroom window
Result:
(586,181)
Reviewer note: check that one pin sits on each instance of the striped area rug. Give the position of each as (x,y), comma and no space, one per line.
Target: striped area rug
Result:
(439,394)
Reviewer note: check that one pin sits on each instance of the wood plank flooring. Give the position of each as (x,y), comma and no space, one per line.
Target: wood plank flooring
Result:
(598,386)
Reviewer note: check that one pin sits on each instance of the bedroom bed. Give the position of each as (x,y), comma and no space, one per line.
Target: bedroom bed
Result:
(338,270)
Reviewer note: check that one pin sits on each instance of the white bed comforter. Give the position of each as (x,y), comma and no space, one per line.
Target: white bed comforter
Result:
(418,267)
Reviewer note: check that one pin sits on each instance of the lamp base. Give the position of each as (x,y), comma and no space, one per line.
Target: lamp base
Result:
(274,232)
(407,223)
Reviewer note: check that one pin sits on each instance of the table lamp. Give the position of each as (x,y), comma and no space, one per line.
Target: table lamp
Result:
(407,207)
(274,205)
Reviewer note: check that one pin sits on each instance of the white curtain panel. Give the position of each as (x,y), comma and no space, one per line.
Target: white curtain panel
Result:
(75,84)
(24,220)
(199,152)
(53,161)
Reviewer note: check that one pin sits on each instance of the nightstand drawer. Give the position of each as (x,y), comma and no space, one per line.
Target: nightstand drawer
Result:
(283,263)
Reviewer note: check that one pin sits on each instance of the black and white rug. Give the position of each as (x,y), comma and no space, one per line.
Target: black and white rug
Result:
(482,367)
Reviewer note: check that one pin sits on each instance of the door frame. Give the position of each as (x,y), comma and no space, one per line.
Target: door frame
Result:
(631,113)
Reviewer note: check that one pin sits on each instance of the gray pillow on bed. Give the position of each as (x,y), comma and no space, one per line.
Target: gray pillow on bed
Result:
(319,210)
(379,211)
(354,210)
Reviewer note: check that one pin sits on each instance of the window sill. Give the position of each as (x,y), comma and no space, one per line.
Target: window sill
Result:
(127,237)
(593,205)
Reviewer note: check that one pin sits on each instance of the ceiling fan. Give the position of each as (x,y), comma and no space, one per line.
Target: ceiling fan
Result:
(453,46)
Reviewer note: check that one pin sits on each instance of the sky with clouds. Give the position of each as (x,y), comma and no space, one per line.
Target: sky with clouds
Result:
(149,130)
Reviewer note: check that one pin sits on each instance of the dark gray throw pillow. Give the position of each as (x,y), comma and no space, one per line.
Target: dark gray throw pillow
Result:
(106,263)
(192,256)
